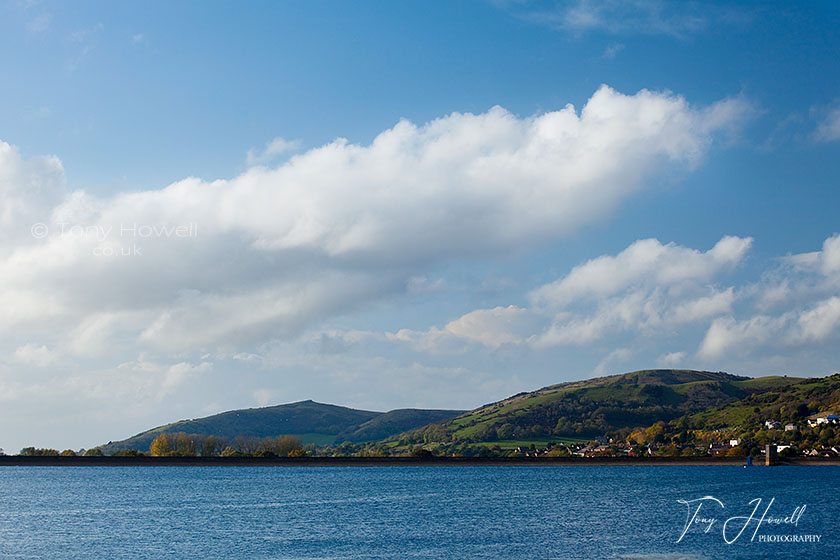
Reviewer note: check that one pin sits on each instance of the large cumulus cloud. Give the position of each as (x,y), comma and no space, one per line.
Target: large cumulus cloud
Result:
(279,248)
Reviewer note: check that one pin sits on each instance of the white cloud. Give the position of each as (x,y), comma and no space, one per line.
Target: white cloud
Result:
(802,289)
(704,307)
(645,263)
(492,327)
(34,355)
(830,256)
(672,359)
(612,50)
(829,129)
(331,229)
(271,151)
(154,380)
(489,327)
(618,355)
(727,335)
(794,328)
(819,323)
(628,17)
(40,23)
(84,41)
(646,289)
(645,313)
(424,285)
(90,405)
(800,279)
(29,188)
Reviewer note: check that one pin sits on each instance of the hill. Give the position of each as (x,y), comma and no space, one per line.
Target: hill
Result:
(595,407)
(395,422)
(312,422)
(782,401)
(669,402)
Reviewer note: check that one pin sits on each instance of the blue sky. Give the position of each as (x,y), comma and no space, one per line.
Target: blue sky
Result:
(394,206)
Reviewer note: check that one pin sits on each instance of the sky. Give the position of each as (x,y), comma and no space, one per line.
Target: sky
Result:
(211,206)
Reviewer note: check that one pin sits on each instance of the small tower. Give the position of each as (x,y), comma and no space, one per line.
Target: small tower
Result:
(770,456)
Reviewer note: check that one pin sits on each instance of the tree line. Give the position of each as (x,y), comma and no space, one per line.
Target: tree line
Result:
(181,444)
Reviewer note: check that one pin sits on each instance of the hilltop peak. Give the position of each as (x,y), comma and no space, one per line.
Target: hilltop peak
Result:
(676,376)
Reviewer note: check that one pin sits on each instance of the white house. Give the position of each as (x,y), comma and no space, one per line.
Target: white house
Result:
(823,418)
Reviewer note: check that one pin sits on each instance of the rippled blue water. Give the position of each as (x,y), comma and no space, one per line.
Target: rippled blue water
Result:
(405,512)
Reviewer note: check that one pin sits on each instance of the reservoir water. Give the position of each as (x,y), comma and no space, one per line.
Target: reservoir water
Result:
(419,512)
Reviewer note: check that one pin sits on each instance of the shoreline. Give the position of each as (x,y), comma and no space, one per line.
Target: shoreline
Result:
(27,461)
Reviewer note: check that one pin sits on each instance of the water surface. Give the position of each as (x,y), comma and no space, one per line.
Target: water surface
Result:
(408,512)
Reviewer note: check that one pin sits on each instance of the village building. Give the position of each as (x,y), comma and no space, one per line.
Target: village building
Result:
(822,418)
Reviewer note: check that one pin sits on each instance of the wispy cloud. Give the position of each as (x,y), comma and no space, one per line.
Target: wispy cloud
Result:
(803,294)
(624,17)
(82,43)
(649,293)
(271,151)
(672,359)
(647,289)
(612,50)
(828,130)
(40,23)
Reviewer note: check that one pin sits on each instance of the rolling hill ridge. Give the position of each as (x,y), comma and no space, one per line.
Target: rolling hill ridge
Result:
(594,407)
(572,411)
(312,422)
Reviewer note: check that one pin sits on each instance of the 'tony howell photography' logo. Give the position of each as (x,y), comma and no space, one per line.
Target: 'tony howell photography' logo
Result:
(110,240)
(767,526)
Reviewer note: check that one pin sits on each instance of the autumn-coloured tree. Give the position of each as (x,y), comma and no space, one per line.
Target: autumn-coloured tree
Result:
(184,445)
(161,446)
(128,453)
(38,452)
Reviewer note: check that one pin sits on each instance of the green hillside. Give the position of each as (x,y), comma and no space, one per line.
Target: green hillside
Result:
(395,422)
(595,407)
(663,406)
(312,422)
(783,400)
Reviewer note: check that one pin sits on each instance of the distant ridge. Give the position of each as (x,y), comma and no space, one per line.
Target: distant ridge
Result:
(311,421)
(593,407)
(582,409)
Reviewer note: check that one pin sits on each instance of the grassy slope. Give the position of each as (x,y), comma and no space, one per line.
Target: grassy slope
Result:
(779,401)
(395,422)
(589,407)
(321,424)
(593,406)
